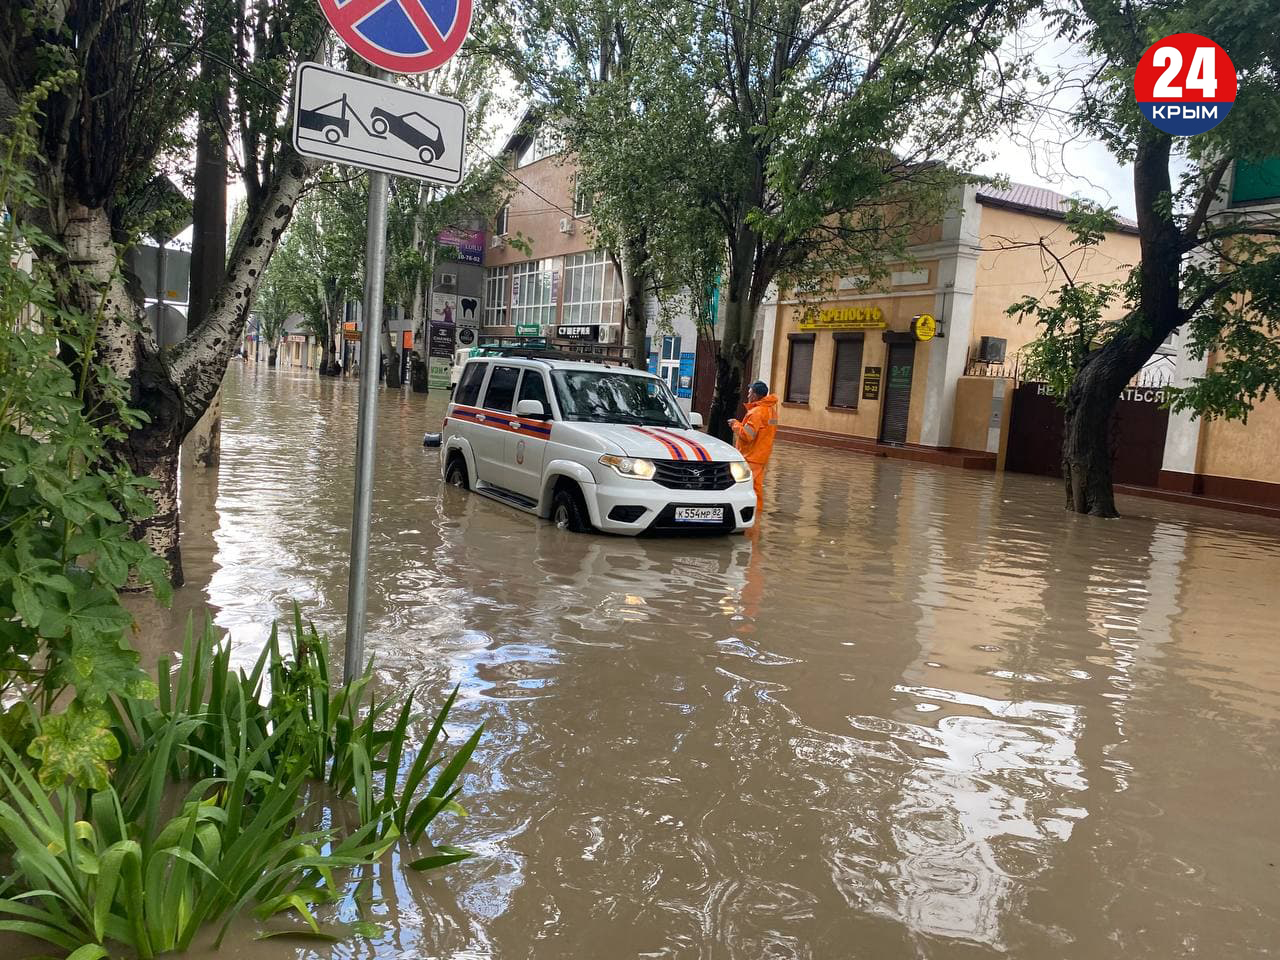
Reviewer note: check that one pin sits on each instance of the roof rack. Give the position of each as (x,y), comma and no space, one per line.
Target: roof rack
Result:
(546,353)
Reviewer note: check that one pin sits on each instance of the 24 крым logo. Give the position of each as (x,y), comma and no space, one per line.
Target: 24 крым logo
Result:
(1185,84)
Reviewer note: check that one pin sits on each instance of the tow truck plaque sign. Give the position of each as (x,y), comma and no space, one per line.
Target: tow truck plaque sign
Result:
(379,126)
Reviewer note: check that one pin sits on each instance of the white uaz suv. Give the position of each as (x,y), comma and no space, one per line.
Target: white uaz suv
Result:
(590,445)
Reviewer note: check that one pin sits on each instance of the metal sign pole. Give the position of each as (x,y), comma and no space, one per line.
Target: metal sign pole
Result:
(370,366)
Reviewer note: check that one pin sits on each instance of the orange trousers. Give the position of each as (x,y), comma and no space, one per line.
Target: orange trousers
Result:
(757,477)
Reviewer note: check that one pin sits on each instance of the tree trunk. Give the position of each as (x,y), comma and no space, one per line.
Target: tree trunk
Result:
(391,357)
(1091,400)
(418,380)
(273,352)
(204,442)
(735,344)
(635,324)
(326,357)
(209,229)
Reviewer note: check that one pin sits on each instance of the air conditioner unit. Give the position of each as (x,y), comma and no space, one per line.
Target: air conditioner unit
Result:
(609,333)
(495,241)
(448,279)
(991,349)
(566,224)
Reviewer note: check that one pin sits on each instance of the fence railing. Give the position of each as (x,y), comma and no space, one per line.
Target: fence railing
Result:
(1157,374)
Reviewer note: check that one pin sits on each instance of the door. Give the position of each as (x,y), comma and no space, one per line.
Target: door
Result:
(490,441)
(897,393)
(527,443)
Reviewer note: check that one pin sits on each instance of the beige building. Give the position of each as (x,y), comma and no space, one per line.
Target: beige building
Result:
(1237,464)
(886,367)
(856,370)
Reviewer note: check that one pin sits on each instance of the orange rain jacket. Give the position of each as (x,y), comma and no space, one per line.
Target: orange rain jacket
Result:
(755,436)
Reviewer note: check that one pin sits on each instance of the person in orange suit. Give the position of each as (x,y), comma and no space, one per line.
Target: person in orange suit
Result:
(755,433)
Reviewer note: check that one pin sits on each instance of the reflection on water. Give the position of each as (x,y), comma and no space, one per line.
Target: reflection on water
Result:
(923,714)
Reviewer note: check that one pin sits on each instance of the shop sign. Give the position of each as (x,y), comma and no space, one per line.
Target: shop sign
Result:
(924,327)
(584,331)
(528,329)
(466,336)
(843,318)
(870,383)
(468,243)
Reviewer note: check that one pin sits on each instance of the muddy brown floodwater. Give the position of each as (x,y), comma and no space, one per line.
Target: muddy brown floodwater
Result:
(925,714)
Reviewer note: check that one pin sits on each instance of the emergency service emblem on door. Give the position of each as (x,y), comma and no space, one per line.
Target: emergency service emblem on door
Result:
(402,36)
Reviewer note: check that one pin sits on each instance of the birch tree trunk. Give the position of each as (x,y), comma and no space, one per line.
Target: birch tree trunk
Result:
(174,388)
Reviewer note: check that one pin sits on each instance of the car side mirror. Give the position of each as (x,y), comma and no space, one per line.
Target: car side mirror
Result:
(696,420)
(532,409)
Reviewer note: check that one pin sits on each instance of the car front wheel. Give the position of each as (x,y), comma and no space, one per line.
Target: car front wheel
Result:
(568,512)
(427,155)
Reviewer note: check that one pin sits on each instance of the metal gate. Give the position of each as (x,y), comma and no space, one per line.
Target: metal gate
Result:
(1137,434)
(897,393)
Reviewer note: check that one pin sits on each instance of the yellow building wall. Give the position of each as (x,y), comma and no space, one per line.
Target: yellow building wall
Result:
(1245,451)
(1007,275)
(972,412)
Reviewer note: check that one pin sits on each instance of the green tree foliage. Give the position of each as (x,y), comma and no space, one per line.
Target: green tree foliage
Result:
(787,140)
(1209,272)
(65,501)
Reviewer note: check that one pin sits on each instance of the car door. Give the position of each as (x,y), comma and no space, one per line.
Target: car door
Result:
(527,443)
(490,440)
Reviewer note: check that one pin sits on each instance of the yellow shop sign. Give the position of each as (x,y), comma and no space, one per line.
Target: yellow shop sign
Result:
(843,318)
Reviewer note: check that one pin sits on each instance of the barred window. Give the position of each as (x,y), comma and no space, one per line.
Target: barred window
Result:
(495,296)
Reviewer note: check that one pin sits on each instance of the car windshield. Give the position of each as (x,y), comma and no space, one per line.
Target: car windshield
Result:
(611,396)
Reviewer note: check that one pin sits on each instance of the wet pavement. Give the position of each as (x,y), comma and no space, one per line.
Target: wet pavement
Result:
(925,713)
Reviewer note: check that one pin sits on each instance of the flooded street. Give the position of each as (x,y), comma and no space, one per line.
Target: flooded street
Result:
(926,713)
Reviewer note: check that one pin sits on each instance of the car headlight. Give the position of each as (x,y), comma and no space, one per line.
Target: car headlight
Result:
(633,467)
(740,471)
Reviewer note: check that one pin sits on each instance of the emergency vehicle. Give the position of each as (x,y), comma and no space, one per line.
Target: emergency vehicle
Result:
(590,445)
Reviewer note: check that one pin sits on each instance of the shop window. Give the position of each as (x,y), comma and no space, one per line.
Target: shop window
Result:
(501,393)
(592,290)
(799,368)
(534,290)
(846,370)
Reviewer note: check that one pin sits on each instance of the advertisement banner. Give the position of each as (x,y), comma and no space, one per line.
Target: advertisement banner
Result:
(442,340)
(444,307)
(469,243)
(438,373)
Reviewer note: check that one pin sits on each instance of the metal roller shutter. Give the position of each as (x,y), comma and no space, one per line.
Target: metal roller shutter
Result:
(897,392)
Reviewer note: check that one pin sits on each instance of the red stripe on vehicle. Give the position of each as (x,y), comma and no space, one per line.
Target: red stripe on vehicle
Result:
(698,449)
(676,452)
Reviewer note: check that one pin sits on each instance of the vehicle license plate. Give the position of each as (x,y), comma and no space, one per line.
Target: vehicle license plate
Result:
(699,514)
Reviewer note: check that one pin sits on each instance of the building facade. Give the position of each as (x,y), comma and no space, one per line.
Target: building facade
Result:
(868,366)
(546,278)
(854,371)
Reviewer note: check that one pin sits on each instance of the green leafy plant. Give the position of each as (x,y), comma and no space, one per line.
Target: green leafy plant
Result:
(65,499)
(245,770)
